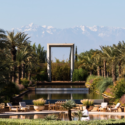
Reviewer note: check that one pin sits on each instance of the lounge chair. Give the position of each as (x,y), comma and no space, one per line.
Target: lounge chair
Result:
(103,106)
(23,106)
(115,108)
(13,108)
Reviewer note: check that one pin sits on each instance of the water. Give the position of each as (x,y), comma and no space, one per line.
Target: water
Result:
(64,117)
(34,95)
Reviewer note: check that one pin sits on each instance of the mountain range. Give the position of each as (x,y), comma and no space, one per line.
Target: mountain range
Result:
(84,37)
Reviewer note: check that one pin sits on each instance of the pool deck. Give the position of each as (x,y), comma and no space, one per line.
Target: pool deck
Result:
(53,112)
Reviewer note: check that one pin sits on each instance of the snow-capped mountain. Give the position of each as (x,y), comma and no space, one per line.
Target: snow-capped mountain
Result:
(84,37)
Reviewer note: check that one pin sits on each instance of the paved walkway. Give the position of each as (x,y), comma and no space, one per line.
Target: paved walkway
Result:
(53,112)
(31,112)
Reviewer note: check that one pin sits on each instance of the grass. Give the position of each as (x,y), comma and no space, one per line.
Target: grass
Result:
(4,121)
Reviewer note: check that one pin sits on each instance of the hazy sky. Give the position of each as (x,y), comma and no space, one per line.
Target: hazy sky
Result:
(62,13)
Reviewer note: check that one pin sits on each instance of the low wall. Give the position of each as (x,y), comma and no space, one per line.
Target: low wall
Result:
(61,83)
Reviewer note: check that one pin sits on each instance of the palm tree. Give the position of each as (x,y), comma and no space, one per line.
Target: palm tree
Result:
(3,42)
(5,62)
(69,105)
(87,61)
(111,54)
(23,55)
(98,61)
(16,41)
(120,47)
(40,53)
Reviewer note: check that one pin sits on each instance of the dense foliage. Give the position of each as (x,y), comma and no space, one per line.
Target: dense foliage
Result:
(51,117)
(80,74)
(60,71)
(8,91)
(25,82)
(109,61)
(98,83)
(17,60)
(119,89)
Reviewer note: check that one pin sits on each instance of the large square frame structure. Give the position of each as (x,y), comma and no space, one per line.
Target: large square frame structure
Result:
(49,45)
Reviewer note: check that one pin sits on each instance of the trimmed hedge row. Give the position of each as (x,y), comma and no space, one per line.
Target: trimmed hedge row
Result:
(52,122)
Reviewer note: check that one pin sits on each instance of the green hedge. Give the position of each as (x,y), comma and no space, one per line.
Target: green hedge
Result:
(52,122)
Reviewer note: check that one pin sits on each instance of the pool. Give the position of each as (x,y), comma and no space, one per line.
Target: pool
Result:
(64,117)
(35,95)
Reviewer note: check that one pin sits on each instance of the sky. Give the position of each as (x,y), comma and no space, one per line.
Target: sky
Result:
(62,13)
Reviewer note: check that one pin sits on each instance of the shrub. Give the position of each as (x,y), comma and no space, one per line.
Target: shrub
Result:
(89,80)
(51,117)
(119,89)
(103,84)
(91,77)
(39,102)
(6,121)
(96,80)
(80,75)
(98,83)
(109,91)
(24,82)
(8,91)
(40,76)
(75,75)
(60,71)
(89,102)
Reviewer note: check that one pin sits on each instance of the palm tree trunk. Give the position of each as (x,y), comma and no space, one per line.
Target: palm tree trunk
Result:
(104,69)
(23,71)
(29,75)
(107,74)
(119,69)
(102,72)
(69,115)
(113,73)
(19,74)
(13,52)
(91,72)
(99,70)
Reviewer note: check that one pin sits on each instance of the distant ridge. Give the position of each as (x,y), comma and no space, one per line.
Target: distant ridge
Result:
(84,37)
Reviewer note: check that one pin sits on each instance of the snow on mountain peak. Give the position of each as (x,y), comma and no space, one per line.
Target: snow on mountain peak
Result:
(82,28)
(44,26)
(93,28)
(31,24)
(49,27)
(85,37)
